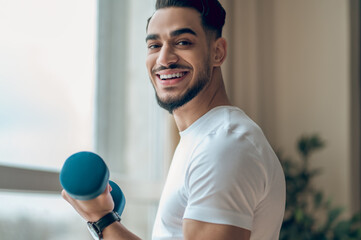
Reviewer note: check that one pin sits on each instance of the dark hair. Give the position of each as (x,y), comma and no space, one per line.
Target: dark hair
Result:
(212,13)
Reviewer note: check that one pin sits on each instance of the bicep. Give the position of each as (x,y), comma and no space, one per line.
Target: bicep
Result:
(193,229)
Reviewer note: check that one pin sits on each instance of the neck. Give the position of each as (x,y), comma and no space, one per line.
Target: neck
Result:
(213,95)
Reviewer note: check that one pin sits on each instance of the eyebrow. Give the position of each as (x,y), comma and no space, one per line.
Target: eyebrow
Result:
(172,34)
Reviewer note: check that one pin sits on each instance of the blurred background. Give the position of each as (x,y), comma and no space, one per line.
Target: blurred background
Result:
(73,78)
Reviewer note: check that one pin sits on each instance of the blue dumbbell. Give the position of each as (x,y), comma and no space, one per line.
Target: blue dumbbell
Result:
(85,176)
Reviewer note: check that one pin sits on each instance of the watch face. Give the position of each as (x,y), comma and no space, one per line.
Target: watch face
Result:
(93,232)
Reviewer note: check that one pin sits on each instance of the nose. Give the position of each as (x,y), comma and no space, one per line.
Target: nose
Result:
(166,56)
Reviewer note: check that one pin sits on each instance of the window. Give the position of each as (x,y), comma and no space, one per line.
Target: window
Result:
(73,78)
(47,51)
(47,80)
(39,216)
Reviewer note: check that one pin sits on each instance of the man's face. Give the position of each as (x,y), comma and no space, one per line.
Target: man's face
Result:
(178,60)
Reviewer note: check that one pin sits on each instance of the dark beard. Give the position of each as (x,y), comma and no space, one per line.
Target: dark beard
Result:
(173,103)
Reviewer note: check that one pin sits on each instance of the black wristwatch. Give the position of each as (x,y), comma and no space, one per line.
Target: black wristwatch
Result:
(96,228)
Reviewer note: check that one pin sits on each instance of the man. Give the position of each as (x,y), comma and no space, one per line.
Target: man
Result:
(225,181)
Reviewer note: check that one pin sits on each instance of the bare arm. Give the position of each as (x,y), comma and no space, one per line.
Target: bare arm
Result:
(193,229)
(93,210)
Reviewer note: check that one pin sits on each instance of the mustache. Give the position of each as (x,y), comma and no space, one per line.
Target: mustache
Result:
(172,66)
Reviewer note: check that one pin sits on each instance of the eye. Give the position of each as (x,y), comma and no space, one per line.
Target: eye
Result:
(184,43)
(153,46)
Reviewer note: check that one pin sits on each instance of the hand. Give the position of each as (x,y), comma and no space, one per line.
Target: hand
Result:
(94,209)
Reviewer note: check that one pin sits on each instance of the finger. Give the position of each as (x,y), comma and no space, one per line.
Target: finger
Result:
(66,196)
(107,190)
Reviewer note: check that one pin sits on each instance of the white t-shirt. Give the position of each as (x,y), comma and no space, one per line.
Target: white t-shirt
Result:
(225,172)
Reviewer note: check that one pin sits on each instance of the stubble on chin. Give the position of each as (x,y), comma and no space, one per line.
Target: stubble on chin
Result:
(170,103)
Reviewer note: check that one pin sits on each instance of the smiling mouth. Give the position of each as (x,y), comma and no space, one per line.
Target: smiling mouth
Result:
(166,77)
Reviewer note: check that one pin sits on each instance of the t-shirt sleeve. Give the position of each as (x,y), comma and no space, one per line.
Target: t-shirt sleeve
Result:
(224,181)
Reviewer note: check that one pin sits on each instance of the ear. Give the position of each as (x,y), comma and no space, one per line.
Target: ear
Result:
(220,51)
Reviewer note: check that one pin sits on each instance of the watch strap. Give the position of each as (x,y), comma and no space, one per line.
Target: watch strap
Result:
(104,222)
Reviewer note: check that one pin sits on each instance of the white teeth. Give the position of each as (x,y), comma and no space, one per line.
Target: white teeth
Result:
(174,75)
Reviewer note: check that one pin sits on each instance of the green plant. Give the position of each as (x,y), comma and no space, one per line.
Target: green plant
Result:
(308,215)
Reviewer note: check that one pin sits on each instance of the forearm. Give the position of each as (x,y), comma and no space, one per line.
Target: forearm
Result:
(95,209)
(117,231)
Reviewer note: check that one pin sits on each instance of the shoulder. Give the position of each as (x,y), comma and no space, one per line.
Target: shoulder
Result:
(236,150)
(232,134)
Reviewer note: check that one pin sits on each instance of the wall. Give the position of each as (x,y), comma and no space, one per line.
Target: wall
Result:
(288,68)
